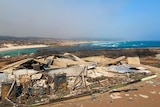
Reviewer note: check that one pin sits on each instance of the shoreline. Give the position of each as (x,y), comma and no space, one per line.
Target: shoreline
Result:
(21,47)
(73,43)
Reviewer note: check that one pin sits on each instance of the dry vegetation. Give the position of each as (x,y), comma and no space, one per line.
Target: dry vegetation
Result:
(147,56)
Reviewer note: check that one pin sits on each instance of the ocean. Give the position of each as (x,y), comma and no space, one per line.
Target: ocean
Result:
(18,52)
(123,44)
(98,45)
(101,45)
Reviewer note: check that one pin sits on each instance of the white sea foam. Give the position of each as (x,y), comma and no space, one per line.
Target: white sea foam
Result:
(134,45)
(105,44)
(121,44)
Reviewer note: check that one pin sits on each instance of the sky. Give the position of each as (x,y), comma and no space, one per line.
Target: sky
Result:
(81,19)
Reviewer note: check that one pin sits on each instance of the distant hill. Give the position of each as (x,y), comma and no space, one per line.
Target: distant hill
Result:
(28,40)
(7,37)
(13,37)
(22,38)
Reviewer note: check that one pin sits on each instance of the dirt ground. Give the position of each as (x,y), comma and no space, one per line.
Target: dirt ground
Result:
(150,61)
(2,63)
(147,56)
(146,93)
(142,94)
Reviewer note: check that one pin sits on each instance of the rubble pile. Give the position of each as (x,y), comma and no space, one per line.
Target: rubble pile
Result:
(43,79)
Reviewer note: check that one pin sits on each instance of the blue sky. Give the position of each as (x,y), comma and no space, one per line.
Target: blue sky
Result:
(81,19)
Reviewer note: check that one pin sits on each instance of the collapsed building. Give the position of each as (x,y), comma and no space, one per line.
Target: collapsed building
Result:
(41,80)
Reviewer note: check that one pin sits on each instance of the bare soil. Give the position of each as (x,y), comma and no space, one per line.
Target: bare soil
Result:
(147,56)
(146,95)
(149,89)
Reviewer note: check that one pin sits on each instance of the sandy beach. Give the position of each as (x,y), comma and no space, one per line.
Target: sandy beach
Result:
(71,43)
(12,47)
(15,46)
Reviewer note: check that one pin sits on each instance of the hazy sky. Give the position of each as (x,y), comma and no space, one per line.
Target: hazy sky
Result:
(87,19)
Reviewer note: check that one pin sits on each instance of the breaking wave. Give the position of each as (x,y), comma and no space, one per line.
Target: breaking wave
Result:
(122,44)
(99,45)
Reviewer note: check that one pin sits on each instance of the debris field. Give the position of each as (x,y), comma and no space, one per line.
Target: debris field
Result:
(41,80)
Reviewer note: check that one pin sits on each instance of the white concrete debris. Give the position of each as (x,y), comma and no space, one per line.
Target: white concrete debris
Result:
(19,72)
(70,71)
(158,56)
(3,77)
(144,96)
(40,83)
(36,76)
(153,92)
(99,72)
(133,60)
(115,96)
(124,68)
(126,95)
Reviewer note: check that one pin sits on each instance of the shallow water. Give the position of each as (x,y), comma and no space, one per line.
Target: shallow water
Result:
(112,45)
(18,52)
(99,45)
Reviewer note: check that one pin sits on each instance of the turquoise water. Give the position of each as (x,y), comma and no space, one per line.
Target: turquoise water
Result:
(18,52)
(99,45)
(123,44)
(91,46)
